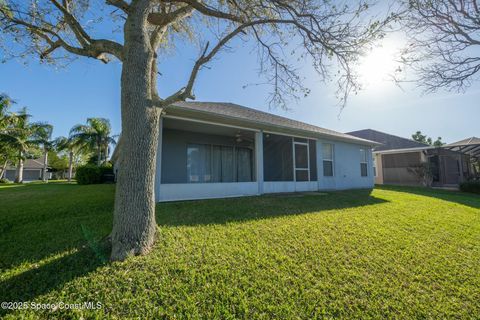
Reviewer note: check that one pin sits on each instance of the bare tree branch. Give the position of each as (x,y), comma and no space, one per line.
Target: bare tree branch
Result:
(443,36)
(120,4)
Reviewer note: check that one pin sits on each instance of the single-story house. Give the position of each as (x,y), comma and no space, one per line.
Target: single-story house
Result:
(32,170)
(216,150)
(399,161)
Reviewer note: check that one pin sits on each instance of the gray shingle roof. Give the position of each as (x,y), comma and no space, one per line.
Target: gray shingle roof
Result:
(465,142)
(388,141)
(235,111)
(469,146)
(31,164)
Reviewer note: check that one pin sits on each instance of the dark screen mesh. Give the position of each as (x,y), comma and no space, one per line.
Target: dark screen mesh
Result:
(313,159)
(277,158)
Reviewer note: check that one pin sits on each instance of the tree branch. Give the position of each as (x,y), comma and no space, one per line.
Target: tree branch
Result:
(120,4)
(211,12)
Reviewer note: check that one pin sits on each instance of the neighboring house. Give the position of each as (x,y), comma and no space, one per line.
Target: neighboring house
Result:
(32,170)
(471,147)
(399,160)
(215,150)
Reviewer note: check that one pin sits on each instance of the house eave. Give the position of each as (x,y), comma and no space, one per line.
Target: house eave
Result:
(259,125)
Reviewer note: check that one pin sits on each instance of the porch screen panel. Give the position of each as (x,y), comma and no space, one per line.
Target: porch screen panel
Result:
(227,164)
(222,164)
(198,163)
(244,165)
(312,144)
(213,163)
(277,158)
(301,156)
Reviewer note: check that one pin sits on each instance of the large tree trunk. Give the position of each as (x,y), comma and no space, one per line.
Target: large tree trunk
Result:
(70,165)
(134,217)
(45,164)
(19,176)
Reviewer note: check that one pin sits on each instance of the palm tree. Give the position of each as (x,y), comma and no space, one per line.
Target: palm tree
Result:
(6,119)
(43,137)
(97,135)
(22,136)
(71,145)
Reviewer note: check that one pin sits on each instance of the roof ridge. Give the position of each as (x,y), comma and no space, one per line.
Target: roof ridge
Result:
(392,135)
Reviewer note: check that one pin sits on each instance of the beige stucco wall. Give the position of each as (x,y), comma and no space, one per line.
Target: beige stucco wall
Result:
(379,177)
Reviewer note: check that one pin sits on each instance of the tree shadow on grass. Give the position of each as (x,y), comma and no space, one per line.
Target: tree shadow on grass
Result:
(37,281)
(220,211)
(467,199)
(42,220)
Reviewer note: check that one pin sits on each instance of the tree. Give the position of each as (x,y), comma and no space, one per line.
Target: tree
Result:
(322,32)
(74,147)
(419,137)
(444,35)
(438,142)
(58,162)
(43,137)
(7,153)
(22,136)
(96,134)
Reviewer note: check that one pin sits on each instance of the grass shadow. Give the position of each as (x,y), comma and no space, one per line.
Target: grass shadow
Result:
(220,211)
(41,220)
(50,276)
(467,199)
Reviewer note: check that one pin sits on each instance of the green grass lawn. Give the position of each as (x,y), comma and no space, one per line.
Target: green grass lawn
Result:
(394,253)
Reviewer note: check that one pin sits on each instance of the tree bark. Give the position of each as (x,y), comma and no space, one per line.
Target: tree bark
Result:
(70,166)
(19,177)
(134,214)
(45,164)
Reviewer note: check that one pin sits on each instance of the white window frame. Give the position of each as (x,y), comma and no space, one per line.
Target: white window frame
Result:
(363,161)
(374,166)
(294,162)
(331,160)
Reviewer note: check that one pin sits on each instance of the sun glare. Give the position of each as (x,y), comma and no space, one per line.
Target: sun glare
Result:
(377,67)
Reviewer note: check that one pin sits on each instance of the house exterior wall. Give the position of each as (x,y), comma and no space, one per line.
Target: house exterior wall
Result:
(379,169)
(346,167)
(28,174)
(171,180)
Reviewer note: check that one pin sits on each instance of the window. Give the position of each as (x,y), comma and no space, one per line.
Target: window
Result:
(213,163)
(328,169)
(363,163)
(374,166)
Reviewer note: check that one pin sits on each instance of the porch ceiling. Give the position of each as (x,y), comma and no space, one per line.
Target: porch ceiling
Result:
(192,126)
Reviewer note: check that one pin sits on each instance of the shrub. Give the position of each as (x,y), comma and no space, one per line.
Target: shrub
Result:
(88,174)
(5,180)
(92,174)
(470,186)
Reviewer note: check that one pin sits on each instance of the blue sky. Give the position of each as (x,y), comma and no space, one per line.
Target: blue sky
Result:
(87,88)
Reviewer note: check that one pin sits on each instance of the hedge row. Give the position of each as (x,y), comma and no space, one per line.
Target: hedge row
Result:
(470,186)
(92,174)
